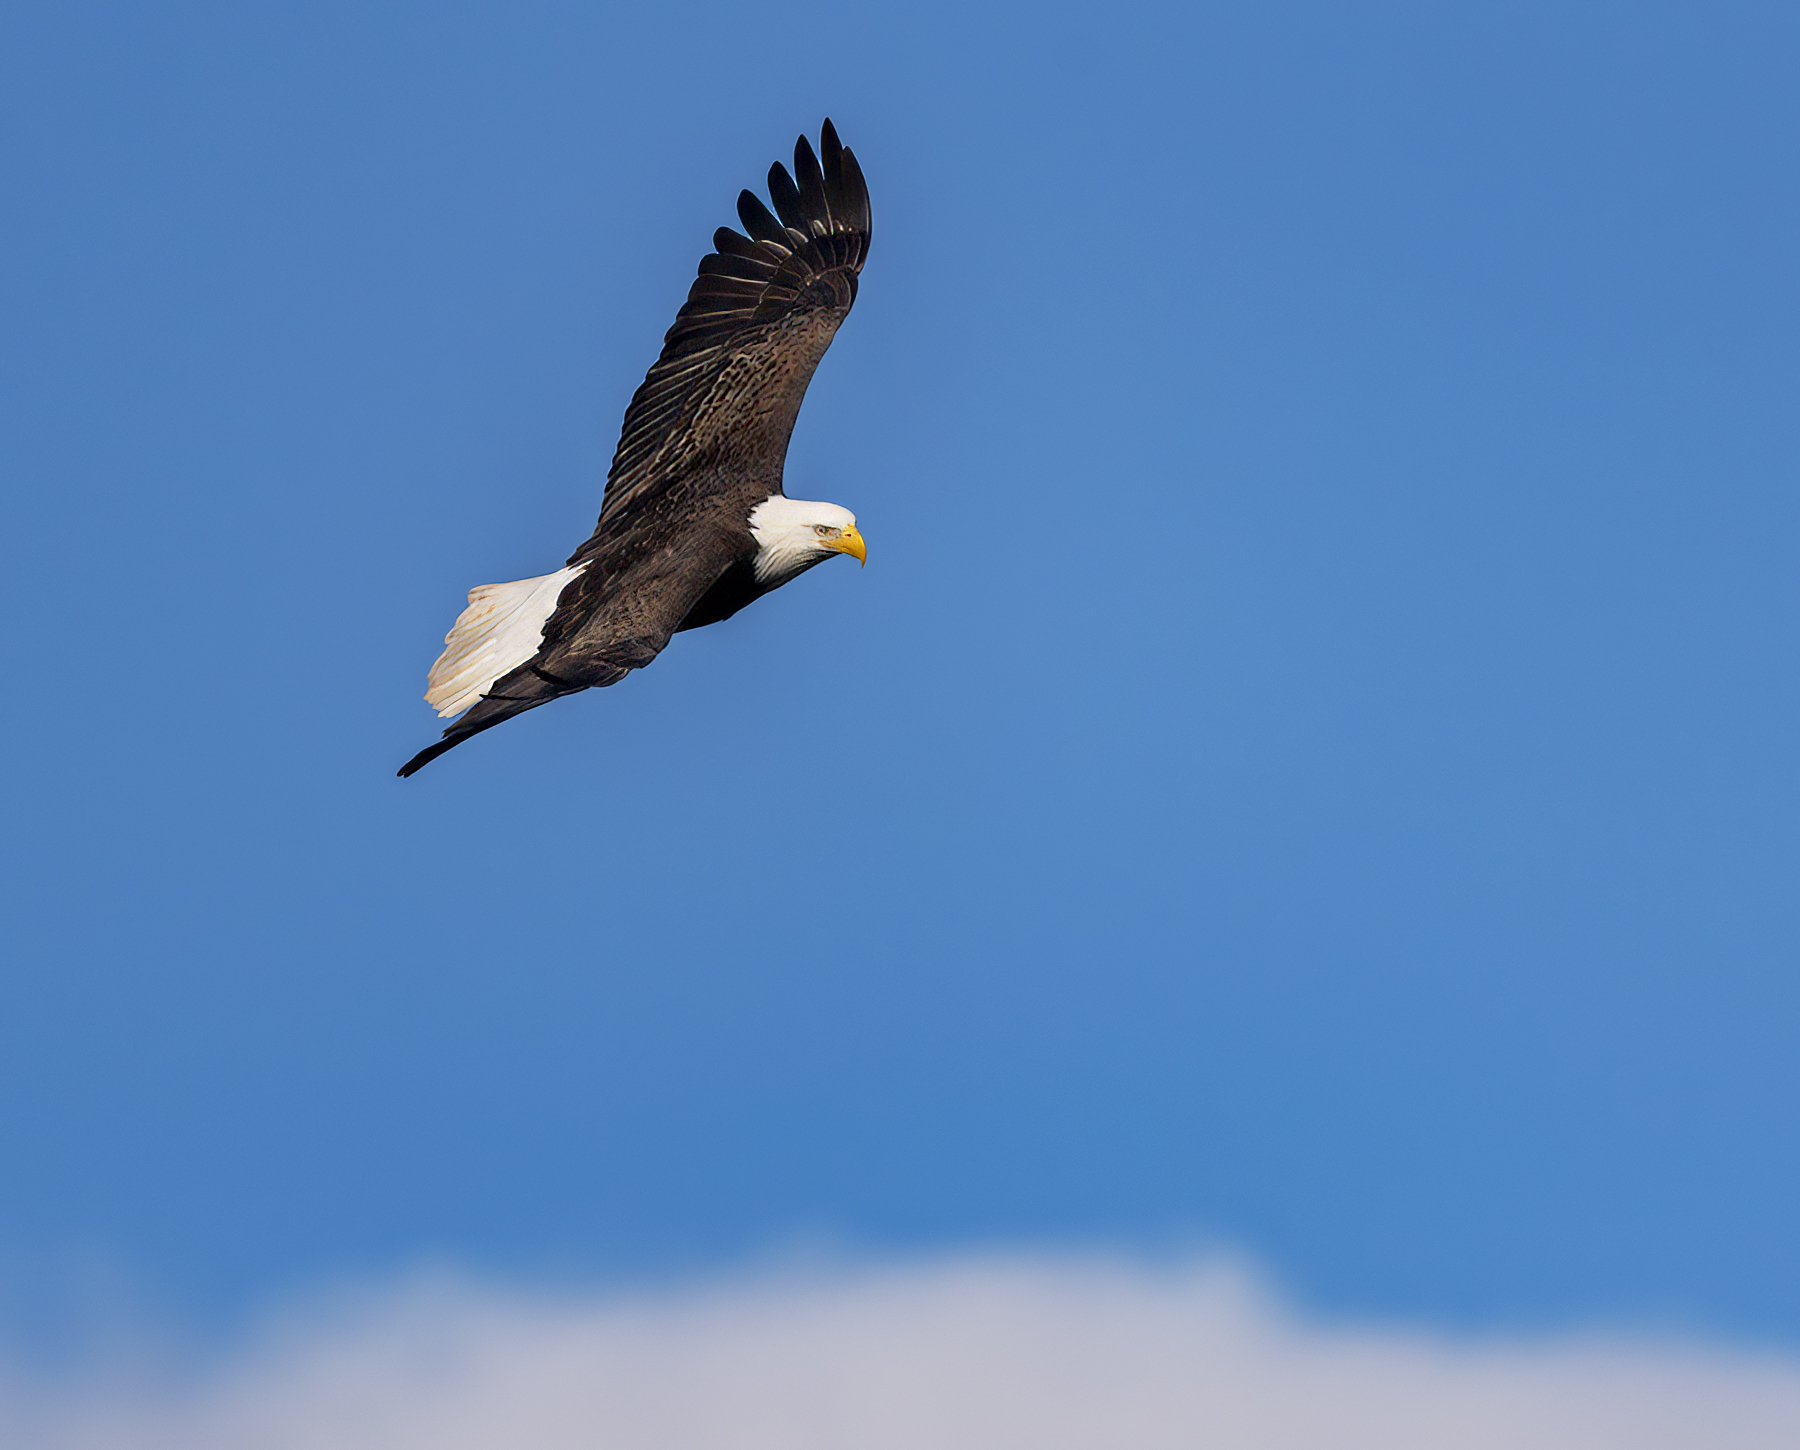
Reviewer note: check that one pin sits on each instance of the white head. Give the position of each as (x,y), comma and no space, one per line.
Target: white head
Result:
(792,535)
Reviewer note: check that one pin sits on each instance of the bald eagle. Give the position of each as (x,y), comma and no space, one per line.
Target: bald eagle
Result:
(694,524)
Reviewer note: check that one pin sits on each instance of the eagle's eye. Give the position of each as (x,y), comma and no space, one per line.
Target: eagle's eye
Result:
(824,531)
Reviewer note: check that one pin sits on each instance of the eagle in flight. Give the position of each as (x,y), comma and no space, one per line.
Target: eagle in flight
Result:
(693,525)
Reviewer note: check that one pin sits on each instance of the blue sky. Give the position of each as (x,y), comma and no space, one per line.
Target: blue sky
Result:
(1309,765)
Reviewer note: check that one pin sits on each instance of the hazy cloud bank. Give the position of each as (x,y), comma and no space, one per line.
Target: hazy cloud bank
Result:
(987,1354)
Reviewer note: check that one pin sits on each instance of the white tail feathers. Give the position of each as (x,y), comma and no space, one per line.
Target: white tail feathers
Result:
(501,629)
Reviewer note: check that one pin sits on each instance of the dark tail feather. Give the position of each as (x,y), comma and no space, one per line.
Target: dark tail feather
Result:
(512,695)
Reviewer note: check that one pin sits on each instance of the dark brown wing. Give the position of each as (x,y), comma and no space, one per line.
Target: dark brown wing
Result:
(722,399)
(612,618)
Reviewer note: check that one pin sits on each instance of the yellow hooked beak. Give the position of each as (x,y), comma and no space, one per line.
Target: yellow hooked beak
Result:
(850,542)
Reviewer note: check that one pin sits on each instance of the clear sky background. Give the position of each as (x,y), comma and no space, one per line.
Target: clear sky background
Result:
(1310,764)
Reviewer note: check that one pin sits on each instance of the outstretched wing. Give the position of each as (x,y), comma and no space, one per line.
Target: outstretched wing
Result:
(723,396)
(578,629)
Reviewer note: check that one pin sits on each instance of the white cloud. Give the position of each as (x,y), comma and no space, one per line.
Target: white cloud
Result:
(987,1354)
